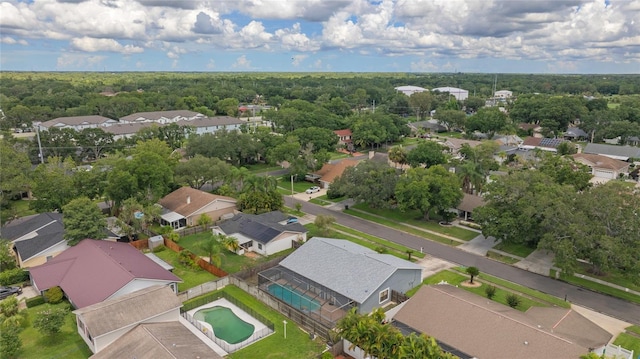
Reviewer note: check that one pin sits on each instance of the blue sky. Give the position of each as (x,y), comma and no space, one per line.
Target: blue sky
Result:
(519,36)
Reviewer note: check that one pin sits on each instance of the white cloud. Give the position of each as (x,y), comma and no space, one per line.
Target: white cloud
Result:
(211,64)
(296,60)
(242,63)
(88,44)
(68,61)
(11,41)
(423,66)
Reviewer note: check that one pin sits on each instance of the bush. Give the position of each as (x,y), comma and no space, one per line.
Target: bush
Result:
(327,355)
(513,300)
(35,301)
(490,291)
(54,295)
(50,321)
(159,249)
(10,342)
(13,276)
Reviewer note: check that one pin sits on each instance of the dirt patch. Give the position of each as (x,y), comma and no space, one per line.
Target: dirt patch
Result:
(475,284)
(251,255)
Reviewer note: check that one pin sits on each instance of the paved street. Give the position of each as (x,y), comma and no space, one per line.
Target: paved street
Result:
(599,302)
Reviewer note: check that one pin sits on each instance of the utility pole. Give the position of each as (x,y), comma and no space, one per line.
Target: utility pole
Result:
(374,106)
(39,143)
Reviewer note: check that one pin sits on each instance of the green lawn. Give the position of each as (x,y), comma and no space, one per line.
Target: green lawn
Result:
(334,200)
(404,228)
(298,187)
(338,155)
(320,202)
(414,218)
(634,329)
(516,249)
(19,208)
(598,287)
(262,167)
(378,240)
(191,277)
(275,346)
(502,258)
(629,342)
(615,278)
(66,344)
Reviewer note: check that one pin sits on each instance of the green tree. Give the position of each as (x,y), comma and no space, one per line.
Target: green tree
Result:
(231,243)
(10,342)
(82,219)
(16,169)
(487,120)
(10,313)
(211,247)
(95,142)
(256,202)
(50,321)
(451,119)
(323,222)
(7,260)
(204,221)
(398,155)
(426,189)
(200,170)
(427,153)
(421,103)
(472,272)
(53,185)
(513,300)
(370,182)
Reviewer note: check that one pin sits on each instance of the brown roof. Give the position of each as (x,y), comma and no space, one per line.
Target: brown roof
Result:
(342,133)
(128,128)
(486,329)
(93,270)
(599,161)
(186,200)
(456,143)
(470,202)
(211,121)
(168,340)
(330,172)
(129,309)
(77,120)
(532,141)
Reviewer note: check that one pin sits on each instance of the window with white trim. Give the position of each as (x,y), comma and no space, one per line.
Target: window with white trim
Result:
(384,295)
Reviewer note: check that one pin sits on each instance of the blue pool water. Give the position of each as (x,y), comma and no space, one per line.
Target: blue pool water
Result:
(292,297)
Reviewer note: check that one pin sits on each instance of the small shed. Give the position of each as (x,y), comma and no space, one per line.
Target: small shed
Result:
(155,242)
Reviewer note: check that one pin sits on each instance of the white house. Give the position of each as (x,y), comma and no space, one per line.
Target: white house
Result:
(503,94)
(603,167)
(459,94)
(204,125)
(78,123)
(265,233)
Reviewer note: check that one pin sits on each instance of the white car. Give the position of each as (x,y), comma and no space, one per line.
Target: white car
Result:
(313,189)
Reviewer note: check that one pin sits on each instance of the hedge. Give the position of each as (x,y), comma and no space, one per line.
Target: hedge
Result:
(13,276)
(32,302)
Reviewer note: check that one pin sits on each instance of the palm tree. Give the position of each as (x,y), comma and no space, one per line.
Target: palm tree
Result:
(398,155)
(230,242)
(211,247)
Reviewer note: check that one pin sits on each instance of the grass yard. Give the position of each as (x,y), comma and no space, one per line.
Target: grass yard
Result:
(581,282)
(191,277)
(501,294)
(404,228)
(262,167)
(66,344)
(320,202)
(629,342)
(634,329)
(284,186)
(615,278)
(18,208)
(502,258)
(414,218)
(275,346)
(516,249)
(378,240)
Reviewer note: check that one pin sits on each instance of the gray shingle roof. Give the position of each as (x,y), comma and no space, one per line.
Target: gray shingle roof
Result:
(611,150)
(262,227)
(345,267)
(44,231)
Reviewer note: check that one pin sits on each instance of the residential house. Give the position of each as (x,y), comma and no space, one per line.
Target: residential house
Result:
(470,326)
(142,324)
(126,130)
(427,126)
(575,134)
(93,271)
(184,206)
(544,144)
(455,144)
(161,117)
(410,90)
(265,233)
(344,136)
(633,141)
(203,125)
(622,153)
(469,203)
(603,167)
(507,140)
(330,171)
(36,239)
(78,123)
(335,275)
(458,93)
(533,129)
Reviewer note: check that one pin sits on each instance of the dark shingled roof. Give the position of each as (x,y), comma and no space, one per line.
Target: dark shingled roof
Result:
(42,231)
(262,227)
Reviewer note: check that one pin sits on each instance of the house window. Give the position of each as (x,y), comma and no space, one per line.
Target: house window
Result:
(49,258)
(384,295)
(259,245)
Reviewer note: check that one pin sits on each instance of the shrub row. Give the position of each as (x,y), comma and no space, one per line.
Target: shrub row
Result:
(32,302)
(13,276)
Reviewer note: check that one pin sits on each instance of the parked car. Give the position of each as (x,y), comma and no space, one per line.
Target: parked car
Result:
(313,189)
(8,291)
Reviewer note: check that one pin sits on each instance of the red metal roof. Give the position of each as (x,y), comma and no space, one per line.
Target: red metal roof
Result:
(342,133)
(93,270)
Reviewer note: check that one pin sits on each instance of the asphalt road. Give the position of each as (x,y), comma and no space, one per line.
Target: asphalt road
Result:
(605,304)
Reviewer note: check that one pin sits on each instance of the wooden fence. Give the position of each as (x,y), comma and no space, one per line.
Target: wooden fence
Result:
(140,244)
(199,261)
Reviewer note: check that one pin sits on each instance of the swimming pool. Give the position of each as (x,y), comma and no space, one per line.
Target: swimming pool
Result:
(226,325)
(294,298)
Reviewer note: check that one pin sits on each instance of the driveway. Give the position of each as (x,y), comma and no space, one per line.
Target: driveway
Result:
(306,196)
(479,245)
(611,306)
(539,261)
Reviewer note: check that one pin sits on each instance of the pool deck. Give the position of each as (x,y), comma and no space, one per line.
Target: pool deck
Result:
(258,326)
